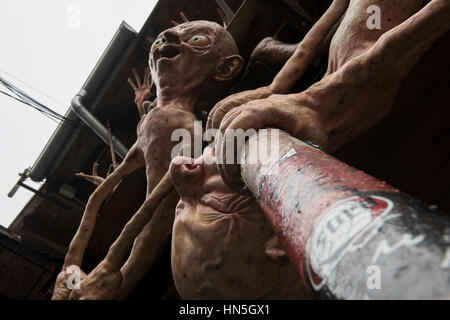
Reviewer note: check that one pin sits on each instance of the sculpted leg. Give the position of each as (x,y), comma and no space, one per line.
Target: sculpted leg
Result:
(148,245)
(74,256)
(106,279)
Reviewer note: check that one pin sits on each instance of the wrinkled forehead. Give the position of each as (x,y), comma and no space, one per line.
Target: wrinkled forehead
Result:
(193,27)
(223,41)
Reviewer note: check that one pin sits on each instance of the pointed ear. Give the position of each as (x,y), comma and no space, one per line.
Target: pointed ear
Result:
(276,252)
(228,68)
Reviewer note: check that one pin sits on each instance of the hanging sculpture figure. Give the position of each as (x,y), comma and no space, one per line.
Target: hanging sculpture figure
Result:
(188,62)
(365,70)
(366,66)
(222,245)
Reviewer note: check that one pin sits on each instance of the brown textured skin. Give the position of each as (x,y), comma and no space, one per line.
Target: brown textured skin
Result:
(143,90)
(222,245)
(273,50)
(365,71)
(182,73)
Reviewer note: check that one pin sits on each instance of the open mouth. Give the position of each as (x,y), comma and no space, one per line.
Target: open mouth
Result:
(168,52)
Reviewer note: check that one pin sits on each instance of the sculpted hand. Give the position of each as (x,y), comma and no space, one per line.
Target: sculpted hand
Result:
(61,290)
(142,90)
(94,177)
(291,113)
(223,107)
(101,284)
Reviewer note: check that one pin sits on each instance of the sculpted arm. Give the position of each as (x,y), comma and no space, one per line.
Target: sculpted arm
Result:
(293,70)
(74,257)
(150,242)
(308,48)
(106,279)
(326,113)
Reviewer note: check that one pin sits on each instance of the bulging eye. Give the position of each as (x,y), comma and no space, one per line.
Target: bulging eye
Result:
(199,40)
(157,43)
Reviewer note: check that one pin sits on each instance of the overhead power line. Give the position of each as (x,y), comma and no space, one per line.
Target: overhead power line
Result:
(34,88)
(17,94)
(21,96)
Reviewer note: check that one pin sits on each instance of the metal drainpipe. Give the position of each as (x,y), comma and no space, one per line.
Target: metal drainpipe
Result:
(116,55)
(95,125)
(349,235)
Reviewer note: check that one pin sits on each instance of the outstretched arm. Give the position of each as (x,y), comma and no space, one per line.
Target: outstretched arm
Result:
(313,114)
(74,257)
(308,48)
(133,161)
(294,68)
(273,50)
(106,279)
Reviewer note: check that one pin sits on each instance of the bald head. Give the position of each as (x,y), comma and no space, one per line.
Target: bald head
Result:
(222,245)
(194,59)
(224,44)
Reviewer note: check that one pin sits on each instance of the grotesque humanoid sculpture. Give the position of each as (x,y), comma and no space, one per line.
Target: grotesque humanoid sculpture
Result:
(222,245)
(189,62)
(366,67)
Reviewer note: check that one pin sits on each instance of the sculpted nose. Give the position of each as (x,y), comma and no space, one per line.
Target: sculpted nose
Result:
(186,175)
(171,36)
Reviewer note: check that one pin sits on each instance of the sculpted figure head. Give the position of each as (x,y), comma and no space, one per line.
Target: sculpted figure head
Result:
(222,245)
(194,58)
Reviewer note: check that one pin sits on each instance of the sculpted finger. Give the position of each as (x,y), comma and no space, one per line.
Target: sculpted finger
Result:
(210,123)
(220,110)
(220,113)
(232,143)
(132,84)
(229,118)
(136,76)
(251,117)
(224,125)
(183,17)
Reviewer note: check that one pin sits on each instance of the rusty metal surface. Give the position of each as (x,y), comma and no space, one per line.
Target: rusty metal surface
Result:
(349,235)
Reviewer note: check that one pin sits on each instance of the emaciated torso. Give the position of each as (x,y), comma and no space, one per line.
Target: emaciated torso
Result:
(353,37)
(154,139)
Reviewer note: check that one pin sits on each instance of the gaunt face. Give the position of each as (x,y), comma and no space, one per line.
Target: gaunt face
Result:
(221,240)
(185,57)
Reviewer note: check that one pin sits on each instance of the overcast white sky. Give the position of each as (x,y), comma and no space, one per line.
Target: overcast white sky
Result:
(45,45)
